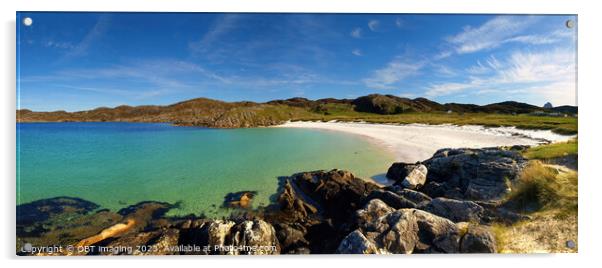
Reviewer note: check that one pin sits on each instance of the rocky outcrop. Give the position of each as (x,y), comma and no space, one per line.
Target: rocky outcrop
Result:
(391,199)
(357,243)
(255,237)
(382,229)
(412,195)
(478,239)
(475,174)
(404,230)
(318,195)
(411,176)
(292,238)
(226,237)
(373,210)
(294,206)
(455,210)
(317,208)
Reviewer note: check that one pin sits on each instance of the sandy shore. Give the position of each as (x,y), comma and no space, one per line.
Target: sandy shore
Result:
(417,142)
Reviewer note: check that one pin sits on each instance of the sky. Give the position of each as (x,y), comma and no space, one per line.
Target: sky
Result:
(80,61)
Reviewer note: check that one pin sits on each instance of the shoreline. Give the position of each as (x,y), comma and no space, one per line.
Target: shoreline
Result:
(411,143)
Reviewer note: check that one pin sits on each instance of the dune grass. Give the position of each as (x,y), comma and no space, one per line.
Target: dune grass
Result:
(544,187)
(547,193)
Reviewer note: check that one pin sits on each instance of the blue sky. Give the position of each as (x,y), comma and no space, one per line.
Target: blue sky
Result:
(78,61)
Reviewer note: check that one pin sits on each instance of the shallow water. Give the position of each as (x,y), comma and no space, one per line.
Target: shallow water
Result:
(120,164)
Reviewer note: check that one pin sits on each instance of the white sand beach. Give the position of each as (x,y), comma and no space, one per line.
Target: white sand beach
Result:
(417,142)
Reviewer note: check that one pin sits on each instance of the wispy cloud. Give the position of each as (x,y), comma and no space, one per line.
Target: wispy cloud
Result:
(444,70)
(58,44)
(501,30)
(373,25)
(478,68)
(400,23)
(491,64)
(442,55)
(220,27)
(489,35)
(394,72)
(137,79)
(357,52)
(93,35)
(356,33)
(542,39)
(549,74)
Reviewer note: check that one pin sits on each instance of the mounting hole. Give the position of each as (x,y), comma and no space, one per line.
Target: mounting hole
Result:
(27,21)
(570,24)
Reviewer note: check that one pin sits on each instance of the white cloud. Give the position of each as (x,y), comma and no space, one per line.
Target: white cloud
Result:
(542,39)
(357,52)
(489,35)
(395,71)
(549,75)
(556,65)
(373,25)
(501,30)
(356,33)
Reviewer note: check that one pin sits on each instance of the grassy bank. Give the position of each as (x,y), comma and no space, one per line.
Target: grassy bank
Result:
(560,125)
(552,151)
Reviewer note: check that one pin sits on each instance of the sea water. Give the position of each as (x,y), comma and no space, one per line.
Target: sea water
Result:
(121,164)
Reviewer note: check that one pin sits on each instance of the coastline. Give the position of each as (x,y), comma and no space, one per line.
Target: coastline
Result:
(417,142)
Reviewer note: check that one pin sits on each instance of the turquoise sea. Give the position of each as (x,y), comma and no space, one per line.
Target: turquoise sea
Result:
(120,164)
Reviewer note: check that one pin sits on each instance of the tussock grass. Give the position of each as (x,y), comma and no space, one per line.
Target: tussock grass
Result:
(547,193)
(545,187)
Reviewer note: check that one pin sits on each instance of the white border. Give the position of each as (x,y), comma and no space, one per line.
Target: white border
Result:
(589,101)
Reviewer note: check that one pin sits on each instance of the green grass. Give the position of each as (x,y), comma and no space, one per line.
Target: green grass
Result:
(553,150)
(561,125)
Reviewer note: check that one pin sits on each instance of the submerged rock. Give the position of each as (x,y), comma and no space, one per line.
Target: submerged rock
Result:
(60,221)
(242,199)
(41,210)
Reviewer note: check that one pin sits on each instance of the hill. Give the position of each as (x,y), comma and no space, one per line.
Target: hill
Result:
(374,107)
